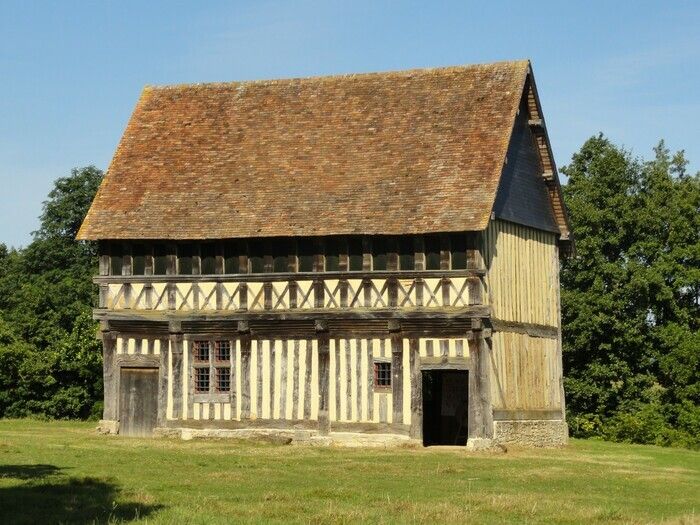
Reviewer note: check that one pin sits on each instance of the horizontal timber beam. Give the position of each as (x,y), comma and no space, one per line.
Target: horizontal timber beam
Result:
(467,312)
(286,276)
(533,330)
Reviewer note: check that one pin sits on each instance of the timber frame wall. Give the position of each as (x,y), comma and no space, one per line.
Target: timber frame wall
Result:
(303,343)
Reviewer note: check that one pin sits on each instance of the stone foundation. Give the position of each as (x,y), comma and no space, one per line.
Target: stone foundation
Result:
(107,426)
(531,433)
(293,437)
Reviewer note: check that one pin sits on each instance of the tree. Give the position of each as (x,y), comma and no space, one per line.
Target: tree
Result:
(630,296)
(50,362)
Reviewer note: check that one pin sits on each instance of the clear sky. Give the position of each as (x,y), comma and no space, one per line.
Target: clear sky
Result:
(71,72)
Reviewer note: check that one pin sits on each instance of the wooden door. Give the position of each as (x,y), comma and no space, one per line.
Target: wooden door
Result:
(138,401)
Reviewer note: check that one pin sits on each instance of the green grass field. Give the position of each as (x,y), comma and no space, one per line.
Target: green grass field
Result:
(64,472)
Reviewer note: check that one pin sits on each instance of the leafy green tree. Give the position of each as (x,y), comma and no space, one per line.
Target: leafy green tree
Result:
(631,295)
(50,362)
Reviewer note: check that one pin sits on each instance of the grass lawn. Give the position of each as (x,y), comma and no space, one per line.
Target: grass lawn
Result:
(64,472)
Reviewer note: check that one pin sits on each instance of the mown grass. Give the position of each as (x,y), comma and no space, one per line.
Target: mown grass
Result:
(53,472)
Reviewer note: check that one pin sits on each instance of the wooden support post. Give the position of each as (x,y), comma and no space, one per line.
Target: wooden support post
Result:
(366,254)
(397,374)
(148,261)
(480,409)
(104,296)
(110,374)
(319,295)
(416,431)
(127,262)
(244,332)
(323,377)
(219,260)
(163,380)
(176,347)
(104,257)
(445,255)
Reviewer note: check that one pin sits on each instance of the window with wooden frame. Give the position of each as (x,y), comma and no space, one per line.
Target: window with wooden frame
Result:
(212,362)
(382,375)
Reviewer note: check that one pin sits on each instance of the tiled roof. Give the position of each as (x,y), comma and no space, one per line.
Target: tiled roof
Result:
(381,153)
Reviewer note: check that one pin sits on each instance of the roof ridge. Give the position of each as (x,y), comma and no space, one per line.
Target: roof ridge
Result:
(316,78)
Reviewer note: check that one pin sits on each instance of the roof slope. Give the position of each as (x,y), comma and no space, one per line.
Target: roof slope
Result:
(383,153)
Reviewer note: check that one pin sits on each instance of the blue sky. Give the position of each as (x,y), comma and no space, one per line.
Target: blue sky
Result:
(71,72)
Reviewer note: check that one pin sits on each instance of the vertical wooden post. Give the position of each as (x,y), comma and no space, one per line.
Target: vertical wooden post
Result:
(196,259)
(366,254)
(104,257)
(163,381)
(416,431)
(396,372)
(323,376)
(110,373)
(176,347)
(171,269)
(481,412)
(244,332)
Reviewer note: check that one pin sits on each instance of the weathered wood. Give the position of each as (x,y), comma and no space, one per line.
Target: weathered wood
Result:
(419,253)
(176,347)
(295,377)
(347,402)
(245,376)
(110,376)
(164,377)
(370,380)
(137,360)
(307,379)
(300,276)
(323,382)
(104,259)
(366,254)
(259,379)
(414,360)
(383,408)
(445,254)
(138,401)
(481,413)
(273,365)
(533,330)
(127,259)
(284,356)
(397,376)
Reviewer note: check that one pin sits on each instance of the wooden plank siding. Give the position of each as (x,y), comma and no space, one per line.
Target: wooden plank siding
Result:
(522,278)
(525,372)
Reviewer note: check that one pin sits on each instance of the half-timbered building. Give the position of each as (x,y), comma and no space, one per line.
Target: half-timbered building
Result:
(353,258)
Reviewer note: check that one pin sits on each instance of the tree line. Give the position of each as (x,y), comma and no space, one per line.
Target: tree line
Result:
(630,302)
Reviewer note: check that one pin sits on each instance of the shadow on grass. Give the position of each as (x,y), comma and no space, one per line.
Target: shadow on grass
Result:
(46,497)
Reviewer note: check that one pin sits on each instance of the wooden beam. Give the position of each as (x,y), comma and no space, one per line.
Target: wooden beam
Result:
(416,375)
(452,313)
(480,408)
(176,348)
(280,276)
(110,376)
(397,377)
(323,382)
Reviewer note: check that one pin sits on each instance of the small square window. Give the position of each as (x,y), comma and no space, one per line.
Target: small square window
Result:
(382,375)
(223,379)
(223,351)
(201,380)
(201,351)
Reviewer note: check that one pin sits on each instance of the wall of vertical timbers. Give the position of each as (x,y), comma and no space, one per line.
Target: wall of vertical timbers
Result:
(329,361)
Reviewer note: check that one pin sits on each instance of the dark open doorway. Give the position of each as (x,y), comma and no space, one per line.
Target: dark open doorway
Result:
(445,407)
